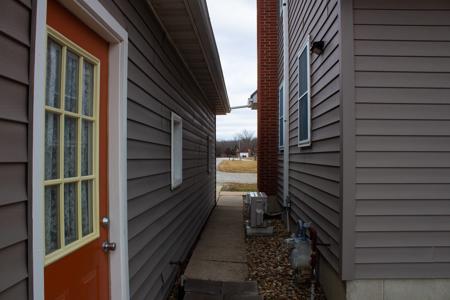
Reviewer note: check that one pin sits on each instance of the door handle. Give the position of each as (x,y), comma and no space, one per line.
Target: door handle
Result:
(108,246)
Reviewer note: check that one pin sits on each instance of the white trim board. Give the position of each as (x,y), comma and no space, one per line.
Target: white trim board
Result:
(94,15)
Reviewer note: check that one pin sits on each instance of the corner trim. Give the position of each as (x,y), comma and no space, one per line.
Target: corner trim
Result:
(286,112)
(348,144)
(38,244)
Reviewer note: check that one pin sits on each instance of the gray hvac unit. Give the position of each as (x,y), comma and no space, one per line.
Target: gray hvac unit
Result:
(257,207)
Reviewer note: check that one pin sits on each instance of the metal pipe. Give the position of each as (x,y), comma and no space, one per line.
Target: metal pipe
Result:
(314,259)
(241,106)
(286,110)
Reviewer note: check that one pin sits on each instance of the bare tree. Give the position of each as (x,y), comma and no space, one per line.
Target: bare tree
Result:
(242,142)
(247,141)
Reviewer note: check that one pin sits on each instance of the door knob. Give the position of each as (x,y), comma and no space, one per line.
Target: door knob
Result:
(108,246)
(105,221)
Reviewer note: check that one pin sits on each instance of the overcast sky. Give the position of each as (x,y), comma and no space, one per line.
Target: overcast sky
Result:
(234,24)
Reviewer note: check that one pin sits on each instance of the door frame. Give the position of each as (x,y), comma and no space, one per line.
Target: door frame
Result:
(95,16)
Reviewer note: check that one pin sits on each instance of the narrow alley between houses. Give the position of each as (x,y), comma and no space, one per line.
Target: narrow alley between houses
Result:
(211,149)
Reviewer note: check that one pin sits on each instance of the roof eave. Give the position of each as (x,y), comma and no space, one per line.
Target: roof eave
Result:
(196,12)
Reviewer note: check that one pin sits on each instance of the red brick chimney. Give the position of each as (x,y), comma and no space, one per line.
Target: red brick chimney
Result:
(267,30)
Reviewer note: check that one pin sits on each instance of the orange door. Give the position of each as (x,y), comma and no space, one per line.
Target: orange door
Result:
(76,200)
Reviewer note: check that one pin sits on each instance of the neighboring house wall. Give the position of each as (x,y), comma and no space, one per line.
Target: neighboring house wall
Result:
(314,172)
(402,80)
(401,157)
(267,17)
(163,224)
(15,153)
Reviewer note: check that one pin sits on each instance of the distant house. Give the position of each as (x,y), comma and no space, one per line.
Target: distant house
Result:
(243,154)
(354,136)
(107,122)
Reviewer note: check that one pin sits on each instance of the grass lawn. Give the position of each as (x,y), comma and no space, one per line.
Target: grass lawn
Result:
(239,187)
(238,166)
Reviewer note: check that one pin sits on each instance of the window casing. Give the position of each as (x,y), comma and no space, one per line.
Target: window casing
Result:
(208,154)
(176,151)
(71,147)
(281,112)
(304,96)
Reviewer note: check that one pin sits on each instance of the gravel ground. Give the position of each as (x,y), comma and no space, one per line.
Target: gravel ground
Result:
(268,263)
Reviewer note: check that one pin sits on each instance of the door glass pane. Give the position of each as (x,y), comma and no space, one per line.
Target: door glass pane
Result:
(51,219)
(71,96)
(70,212)
(53,72)
(70,147)
(86,148)
(86,207)
(88,88)
(51,146)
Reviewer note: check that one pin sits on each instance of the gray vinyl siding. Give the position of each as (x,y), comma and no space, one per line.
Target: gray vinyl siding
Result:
(15,128)
(314,172)
(402,87)
(162,224)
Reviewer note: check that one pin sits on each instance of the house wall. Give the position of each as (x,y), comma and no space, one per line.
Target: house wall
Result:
(15,129)
(267,52)
(162,224)
(402,87)
(314,172)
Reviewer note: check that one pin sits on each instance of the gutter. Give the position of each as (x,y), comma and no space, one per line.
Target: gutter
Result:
(286,202)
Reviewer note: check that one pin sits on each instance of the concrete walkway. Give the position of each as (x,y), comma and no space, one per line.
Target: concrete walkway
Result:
(218,269)
(220,254)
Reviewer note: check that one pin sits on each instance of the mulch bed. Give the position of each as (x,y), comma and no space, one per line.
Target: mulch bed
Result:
(268,263)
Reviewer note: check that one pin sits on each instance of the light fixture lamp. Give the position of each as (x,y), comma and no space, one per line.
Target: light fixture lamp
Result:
(318,47)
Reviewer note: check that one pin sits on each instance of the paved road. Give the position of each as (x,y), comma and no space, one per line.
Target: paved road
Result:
(222,177)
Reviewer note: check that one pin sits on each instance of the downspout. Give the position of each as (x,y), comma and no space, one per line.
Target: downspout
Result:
(286,202)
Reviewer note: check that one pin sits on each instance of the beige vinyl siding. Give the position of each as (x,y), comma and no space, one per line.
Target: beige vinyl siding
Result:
(162,224)
(15,152)
(314,172)
(402,95)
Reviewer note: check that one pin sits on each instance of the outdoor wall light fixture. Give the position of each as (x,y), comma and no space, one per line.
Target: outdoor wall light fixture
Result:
(318,47)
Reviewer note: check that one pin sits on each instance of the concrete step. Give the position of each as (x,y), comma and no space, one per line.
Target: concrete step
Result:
(198,296)
(217,290)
